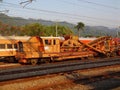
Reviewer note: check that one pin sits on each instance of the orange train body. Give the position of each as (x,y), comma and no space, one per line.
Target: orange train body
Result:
(117,43)
(8,46)
(36,49)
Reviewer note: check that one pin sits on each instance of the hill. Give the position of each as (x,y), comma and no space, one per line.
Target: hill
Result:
(89,30)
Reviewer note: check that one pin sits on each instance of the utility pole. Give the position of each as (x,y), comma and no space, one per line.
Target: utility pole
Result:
(118,31)
(56,29)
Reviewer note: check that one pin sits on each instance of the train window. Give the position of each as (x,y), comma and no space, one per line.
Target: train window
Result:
(54,42)
(15,46)
(48,42)
(9,46)
(2,46)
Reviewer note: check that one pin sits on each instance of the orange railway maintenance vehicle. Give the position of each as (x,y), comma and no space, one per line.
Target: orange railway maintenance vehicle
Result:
(117,44)
(37,49)
(105,46)
(49,49)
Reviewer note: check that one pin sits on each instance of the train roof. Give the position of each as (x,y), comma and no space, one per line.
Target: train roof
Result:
(51,37)
(48,37)
(26,37)
(15,37)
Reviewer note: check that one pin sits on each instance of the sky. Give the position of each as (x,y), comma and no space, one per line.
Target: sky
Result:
(90,12)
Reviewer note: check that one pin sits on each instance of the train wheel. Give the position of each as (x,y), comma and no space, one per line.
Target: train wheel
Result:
(108,55)
(33,61)
(113,54)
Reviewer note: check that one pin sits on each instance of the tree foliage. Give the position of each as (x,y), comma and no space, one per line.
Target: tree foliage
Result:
(80,26)
(34,29)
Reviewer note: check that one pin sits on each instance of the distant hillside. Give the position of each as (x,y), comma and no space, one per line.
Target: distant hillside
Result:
(99,31)
(89,30)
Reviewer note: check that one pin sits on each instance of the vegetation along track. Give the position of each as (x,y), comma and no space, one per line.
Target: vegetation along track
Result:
(15,73)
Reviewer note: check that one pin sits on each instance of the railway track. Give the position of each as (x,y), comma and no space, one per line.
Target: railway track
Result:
(30,71)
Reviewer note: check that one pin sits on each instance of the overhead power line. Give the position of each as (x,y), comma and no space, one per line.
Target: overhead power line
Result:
(61,13)
(72,16)
(75,4)
(47,13)
(68,14)
(88,7)
(107,6)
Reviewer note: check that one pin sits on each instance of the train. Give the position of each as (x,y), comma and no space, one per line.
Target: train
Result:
(34,49)
(8,46)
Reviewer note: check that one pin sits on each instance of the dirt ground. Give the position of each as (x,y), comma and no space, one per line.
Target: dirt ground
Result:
(65,81)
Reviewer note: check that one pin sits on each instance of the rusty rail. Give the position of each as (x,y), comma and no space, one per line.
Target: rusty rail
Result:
(11,74)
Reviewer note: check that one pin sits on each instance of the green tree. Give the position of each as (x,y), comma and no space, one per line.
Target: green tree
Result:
(61,30)
(80,27)
(34,29)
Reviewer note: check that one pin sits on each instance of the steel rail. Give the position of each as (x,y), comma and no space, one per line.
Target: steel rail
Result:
(44,71)
(54,65)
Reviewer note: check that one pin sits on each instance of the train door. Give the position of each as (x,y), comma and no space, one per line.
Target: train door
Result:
(20,46)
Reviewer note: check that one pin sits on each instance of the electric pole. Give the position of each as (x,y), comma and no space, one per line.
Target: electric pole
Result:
(56,27)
